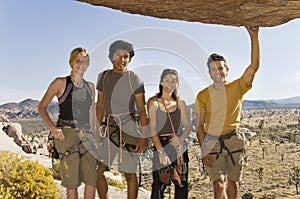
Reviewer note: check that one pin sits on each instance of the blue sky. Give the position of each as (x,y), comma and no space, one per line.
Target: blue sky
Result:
(36,38)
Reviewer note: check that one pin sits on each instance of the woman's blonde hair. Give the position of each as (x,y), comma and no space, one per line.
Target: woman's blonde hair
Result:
(75,52)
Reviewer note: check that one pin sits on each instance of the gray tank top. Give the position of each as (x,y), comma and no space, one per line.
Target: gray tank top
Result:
(163,125)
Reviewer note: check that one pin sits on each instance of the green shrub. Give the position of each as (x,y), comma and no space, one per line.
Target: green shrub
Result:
(22,178)
(115,183)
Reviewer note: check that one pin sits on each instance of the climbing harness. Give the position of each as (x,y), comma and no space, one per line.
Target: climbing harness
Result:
(223,146)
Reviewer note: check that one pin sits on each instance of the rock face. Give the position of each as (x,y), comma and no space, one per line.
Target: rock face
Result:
(264,13)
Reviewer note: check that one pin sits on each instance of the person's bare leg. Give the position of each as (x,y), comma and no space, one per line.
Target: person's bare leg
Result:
(102,187)
(219,189)
(132,185)
(89,192)
(72,194)
(232,189)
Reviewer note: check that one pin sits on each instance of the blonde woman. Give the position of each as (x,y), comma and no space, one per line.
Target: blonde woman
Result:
(76,119)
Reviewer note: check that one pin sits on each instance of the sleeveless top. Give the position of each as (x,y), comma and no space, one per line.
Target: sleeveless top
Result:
(74,104)
(163,125)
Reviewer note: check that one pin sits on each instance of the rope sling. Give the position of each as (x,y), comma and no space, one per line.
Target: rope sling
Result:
(119,126)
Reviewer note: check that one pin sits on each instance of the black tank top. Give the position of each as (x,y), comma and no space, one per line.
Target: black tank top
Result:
(74,104)
(163,125)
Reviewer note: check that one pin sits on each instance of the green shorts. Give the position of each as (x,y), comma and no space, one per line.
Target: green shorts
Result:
(78,165)
(222,164)
(127,157)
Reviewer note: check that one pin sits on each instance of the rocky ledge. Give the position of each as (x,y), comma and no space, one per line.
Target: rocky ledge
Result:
(264,13)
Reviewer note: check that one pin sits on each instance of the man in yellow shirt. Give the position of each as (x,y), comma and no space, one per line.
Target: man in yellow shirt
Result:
(218,109)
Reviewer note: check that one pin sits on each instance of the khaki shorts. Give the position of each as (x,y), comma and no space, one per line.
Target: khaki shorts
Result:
(223,165)
(127,160)
(78,166)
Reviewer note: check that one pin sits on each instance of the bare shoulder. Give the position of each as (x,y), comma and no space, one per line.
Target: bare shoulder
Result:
(181,103)
(91,85)
(152,101)
(59,82)
(56,88)
(153,98)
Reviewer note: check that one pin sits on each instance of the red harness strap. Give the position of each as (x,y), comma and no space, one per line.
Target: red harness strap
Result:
(120,130)
(117,116)
(179,149)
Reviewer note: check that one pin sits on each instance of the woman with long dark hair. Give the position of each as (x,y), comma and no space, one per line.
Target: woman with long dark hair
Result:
(168,115)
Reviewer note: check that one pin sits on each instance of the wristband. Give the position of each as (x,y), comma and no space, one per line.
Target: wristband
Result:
(161,151)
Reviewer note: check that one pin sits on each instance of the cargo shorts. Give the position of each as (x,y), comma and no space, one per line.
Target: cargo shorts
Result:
(222,162)
(77,164)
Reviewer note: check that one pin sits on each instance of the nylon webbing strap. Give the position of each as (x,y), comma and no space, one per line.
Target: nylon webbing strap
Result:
(223,146)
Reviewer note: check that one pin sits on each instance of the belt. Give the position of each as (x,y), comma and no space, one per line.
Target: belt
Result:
(66,123)
(165,136)
(67,127)
(223,137)
(71,124)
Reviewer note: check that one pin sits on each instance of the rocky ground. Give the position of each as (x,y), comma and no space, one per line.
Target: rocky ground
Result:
(271,155)
(275,175)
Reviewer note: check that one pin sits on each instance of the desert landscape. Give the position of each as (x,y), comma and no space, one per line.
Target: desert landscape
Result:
(271,160)
(272,153)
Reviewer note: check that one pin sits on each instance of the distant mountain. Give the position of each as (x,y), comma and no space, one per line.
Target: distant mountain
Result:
(28,107)
(293,102)
(28,103)
(25,109)
(259,104)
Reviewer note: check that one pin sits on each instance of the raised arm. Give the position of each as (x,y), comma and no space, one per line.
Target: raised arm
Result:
(249,73)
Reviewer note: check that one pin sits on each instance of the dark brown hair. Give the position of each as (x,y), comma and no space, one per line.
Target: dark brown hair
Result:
(215,57)
(163,74)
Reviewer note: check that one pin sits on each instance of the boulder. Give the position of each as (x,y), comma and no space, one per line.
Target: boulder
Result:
(264,13)
(3,119)
(4,123)
(15,131)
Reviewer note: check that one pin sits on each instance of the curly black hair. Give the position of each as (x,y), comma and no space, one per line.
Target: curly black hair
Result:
(120,45)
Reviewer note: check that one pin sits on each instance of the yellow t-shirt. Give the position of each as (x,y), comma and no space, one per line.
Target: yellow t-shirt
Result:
(222,108)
